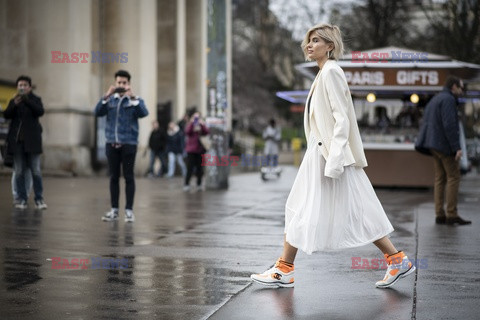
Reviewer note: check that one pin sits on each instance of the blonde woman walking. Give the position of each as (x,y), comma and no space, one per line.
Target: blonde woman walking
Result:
(332,204)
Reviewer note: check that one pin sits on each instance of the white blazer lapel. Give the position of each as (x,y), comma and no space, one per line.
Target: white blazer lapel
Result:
(312,89)
(307,115)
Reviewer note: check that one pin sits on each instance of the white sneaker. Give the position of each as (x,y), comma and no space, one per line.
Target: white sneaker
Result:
(274,277)
(21,204)
(129,216)
(40,205)
(186,188)
(398,267)
(111,215)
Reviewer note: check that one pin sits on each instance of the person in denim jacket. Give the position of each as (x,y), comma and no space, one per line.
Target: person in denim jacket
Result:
(123,109)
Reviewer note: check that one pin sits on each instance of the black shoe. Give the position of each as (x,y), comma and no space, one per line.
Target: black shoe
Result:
(460,221)
(440,220)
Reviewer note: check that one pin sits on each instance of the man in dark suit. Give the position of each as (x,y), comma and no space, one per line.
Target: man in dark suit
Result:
(439,137)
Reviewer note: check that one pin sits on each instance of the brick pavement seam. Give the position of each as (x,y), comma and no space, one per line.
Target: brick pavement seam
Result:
(250,283)
(227,301)
(414,302)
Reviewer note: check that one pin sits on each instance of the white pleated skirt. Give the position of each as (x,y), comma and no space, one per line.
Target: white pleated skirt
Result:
(325,214)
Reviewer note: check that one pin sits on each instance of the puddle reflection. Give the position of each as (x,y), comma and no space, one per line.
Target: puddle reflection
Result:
(281,299)
(22,260)
(20,267)
(194,282)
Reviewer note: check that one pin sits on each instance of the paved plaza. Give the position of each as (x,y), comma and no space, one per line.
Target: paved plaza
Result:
(190,255)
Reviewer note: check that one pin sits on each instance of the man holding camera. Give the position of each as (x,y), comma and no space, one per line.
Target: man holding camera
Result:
(25,141)
(123,109)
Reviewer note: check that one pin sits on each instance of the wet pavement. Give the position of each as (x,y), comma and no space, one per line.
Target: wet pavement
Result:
(189,256)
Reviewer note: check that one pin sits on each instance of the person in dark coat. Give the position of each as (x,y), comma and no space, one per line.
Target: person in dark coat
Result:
(25,140)
(175,146)
(439,137)
(157,144)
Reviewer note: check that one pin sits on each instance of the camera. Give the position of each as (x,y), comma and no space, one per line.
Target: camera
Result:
(119,90)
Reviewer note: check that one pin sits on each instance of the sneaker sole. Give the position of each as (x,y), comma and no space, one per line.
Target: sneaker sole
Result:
(403,275)
(109,219)
(274,284)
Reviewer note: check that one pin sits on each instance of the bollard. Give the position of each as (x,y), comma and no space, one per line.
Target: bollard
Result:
(296,147)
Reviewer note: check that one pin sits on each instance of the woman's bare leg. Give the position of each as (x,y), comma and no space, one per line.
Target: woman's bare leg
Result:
(289,252)
(386,246)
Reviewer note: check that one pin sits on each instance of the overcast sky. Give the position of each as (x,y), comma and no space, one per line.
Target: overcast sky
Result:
(299,15)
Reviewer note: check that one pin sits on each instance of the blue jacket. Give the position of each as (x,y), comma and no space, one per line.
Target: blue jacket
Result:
(122,118)
(439,129)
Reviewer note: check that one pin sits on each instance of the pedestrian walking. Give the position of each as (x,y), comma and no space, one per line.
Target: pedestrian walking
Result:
(25,142)
(439,137)
(194,130)
(272,136)
(157,144)
(175,146)
(332,204)
(122,109)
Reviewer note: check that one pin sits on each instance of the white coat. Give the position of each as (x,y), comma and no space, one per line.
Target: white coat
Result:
(335,121)
(272,137)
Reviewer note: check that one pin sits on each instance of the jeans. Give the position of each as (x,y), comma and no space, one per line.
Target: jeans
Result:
(23,161)
(194,162)
(171,164)
(447,182)
(124,157)
(272,160)
(161,155)
(28,184)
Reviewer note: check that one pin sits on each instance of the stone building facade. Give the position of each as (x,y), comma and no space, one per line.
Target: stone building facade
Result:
(162,43)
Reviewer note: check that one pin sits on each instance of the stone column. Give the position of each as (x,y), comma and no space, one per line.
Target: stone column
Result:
(166,54)
(181,71)
(196,41)
(228,29)
(148,60)
(30,31)
(219,74)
